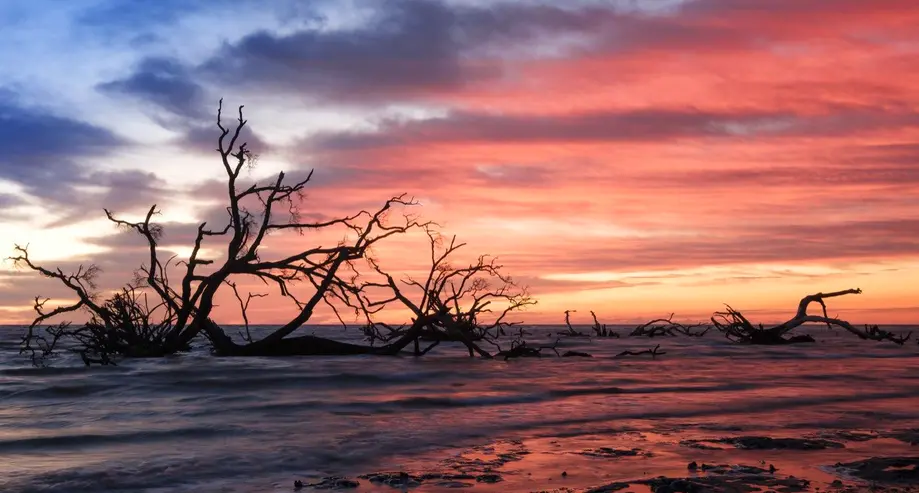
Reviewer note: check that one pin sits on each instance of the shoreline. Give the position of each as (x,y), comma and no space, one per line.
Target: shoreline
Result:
(659,461)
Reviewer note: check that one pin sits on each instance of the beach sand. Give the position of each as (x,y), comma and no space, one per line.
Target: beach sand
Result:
(689,459)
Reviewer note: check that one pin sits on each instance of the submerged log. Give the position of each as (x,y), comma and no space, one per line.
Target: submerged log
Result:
(310,345)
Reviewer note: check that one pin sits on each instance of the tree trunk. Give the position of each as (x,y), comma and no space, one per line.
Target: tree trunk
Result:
(321,346)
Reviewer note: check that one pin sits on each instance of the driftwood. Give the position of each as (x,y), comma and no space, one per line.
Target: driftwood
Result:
(576,354)
(667,327)
(653,352)
(600,329)
(570,330)
(520,349)
(735,326)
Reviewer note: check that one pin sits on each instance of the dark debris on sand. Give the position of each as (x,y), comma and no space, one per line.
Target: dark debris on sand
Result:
(700,444)
(330,483)
(764,443)
(906,436)
(439,479)
(479,465)
(891,470)
(849,436)
(614,453)
(394,479)
(485,459)
(717,479)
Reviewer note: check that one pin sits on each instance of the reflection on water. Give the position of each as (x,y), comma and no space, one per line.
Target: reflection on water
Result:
(198,423)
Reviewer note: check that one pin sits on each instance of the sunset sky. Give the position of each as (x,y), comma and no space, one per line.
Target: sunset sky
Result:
(634,157)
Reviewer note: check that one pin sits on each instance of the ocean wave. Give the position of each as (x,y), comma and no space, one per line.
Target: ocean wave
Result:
(66,441)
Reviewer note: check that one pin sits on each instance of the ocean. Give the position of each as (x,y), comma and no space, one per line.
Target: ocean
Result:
(195,422)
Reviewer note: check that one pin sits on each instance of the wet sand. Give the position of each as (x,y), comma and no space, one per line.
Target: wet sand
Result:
(690,459)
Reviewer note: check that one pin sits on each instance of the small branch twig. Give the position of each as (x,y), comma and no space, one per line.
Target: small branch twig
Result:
(653,352)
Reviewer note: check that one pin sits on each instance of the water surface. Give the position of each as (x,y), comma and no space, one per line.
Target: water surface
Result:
(200,423)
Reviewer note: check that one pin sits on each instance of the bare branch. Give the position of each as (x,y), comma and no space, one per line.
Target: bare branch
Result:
(653,352)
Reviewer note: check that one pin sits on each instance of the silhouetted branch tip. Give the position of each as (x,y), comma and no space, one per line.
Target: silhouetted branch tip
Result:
(653,352)
(570,330)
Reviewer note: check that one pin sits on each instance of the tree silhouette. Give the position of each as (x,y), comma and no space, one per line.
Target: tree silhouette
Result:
(156,316)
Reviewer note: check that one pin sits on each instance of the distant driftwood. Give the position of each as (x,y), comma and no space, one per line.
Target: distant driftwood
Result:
(655,352)
(737,328)
(599,330)
(667,327)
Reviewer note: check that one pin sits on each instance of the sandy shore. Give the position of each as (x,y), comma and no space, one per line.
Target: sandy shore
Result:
(662,461)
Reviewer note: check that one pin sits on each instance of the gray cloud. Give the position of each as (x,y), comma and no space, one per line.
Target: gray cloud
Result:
(8,200)
(412,49)
(644,125)
(50,157)
(179,103)
(165,83)
(410,46)
(42,150)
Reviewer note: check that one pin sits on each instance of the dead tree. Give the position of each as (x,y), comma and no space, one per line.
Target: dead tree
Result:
(667,327)
(469,304)
(167,316)
(735,326)
(124,324)
(570,330)
(602,330)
